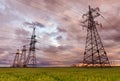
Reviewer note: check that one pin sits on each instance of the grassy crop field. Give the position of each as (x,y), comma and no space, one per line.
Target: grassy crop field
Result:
(60,74)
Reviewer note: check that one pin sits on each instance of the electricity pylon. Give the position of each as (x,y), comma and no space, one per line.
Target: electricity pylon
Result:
(16,59)
(22,56)
(31,58)
(95,54)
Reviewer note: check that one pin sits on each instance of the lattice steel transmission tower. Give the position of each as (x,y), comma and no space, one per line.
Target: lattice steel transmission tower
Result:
(31,58)
(95,54)
(22,56)
(16,59)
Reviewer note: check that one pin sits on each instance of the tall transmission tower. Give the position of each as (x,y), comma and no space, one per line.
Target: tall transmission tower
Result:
(22,56)
(31,58)
(95,54)
(16,59)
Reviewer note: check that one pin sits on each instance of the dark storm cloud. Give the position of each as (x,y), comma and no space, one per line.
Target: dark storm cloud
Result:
(53,49)
(22,32)
(115,37)
(22,35)
(51,4)
(61,30)
(110,31)
(59,38)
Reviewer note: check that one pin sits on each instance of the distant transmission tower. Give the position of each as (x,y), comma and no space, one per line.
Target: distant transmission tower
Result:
(23,56)
(16,59)
(31,59)
(95,54)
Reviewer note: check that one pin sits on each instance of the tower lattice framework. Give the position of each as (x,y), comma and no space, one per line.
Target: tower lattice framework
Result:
(95,54)
(16,59)
(22,56)
(31,58)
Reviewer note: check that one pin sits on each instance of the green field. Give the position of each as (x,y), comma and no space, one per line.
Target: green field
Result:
(60,74)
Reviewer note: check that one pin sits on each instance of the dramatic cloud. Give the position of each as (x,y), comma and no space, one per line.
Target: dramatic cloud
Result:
(60,36)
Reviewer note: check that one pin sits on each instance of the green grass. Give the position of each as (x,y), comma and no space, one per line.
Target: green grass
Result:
(60,74)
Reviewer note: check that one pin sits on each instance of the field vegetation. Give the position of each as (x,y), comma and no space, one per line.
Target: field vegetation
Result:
(60,74)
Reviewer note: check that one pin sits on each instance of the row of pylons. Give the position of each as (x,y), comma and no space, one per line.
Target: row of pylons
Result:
(22,59)
(94,55)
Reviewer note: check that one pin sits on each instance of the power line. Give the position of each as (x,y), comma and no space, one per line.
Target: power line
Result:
(105,19)
(63,7)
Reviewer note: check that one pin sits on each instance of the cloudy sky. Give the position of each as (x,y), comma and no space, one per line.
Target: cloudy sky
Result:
(61,40)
